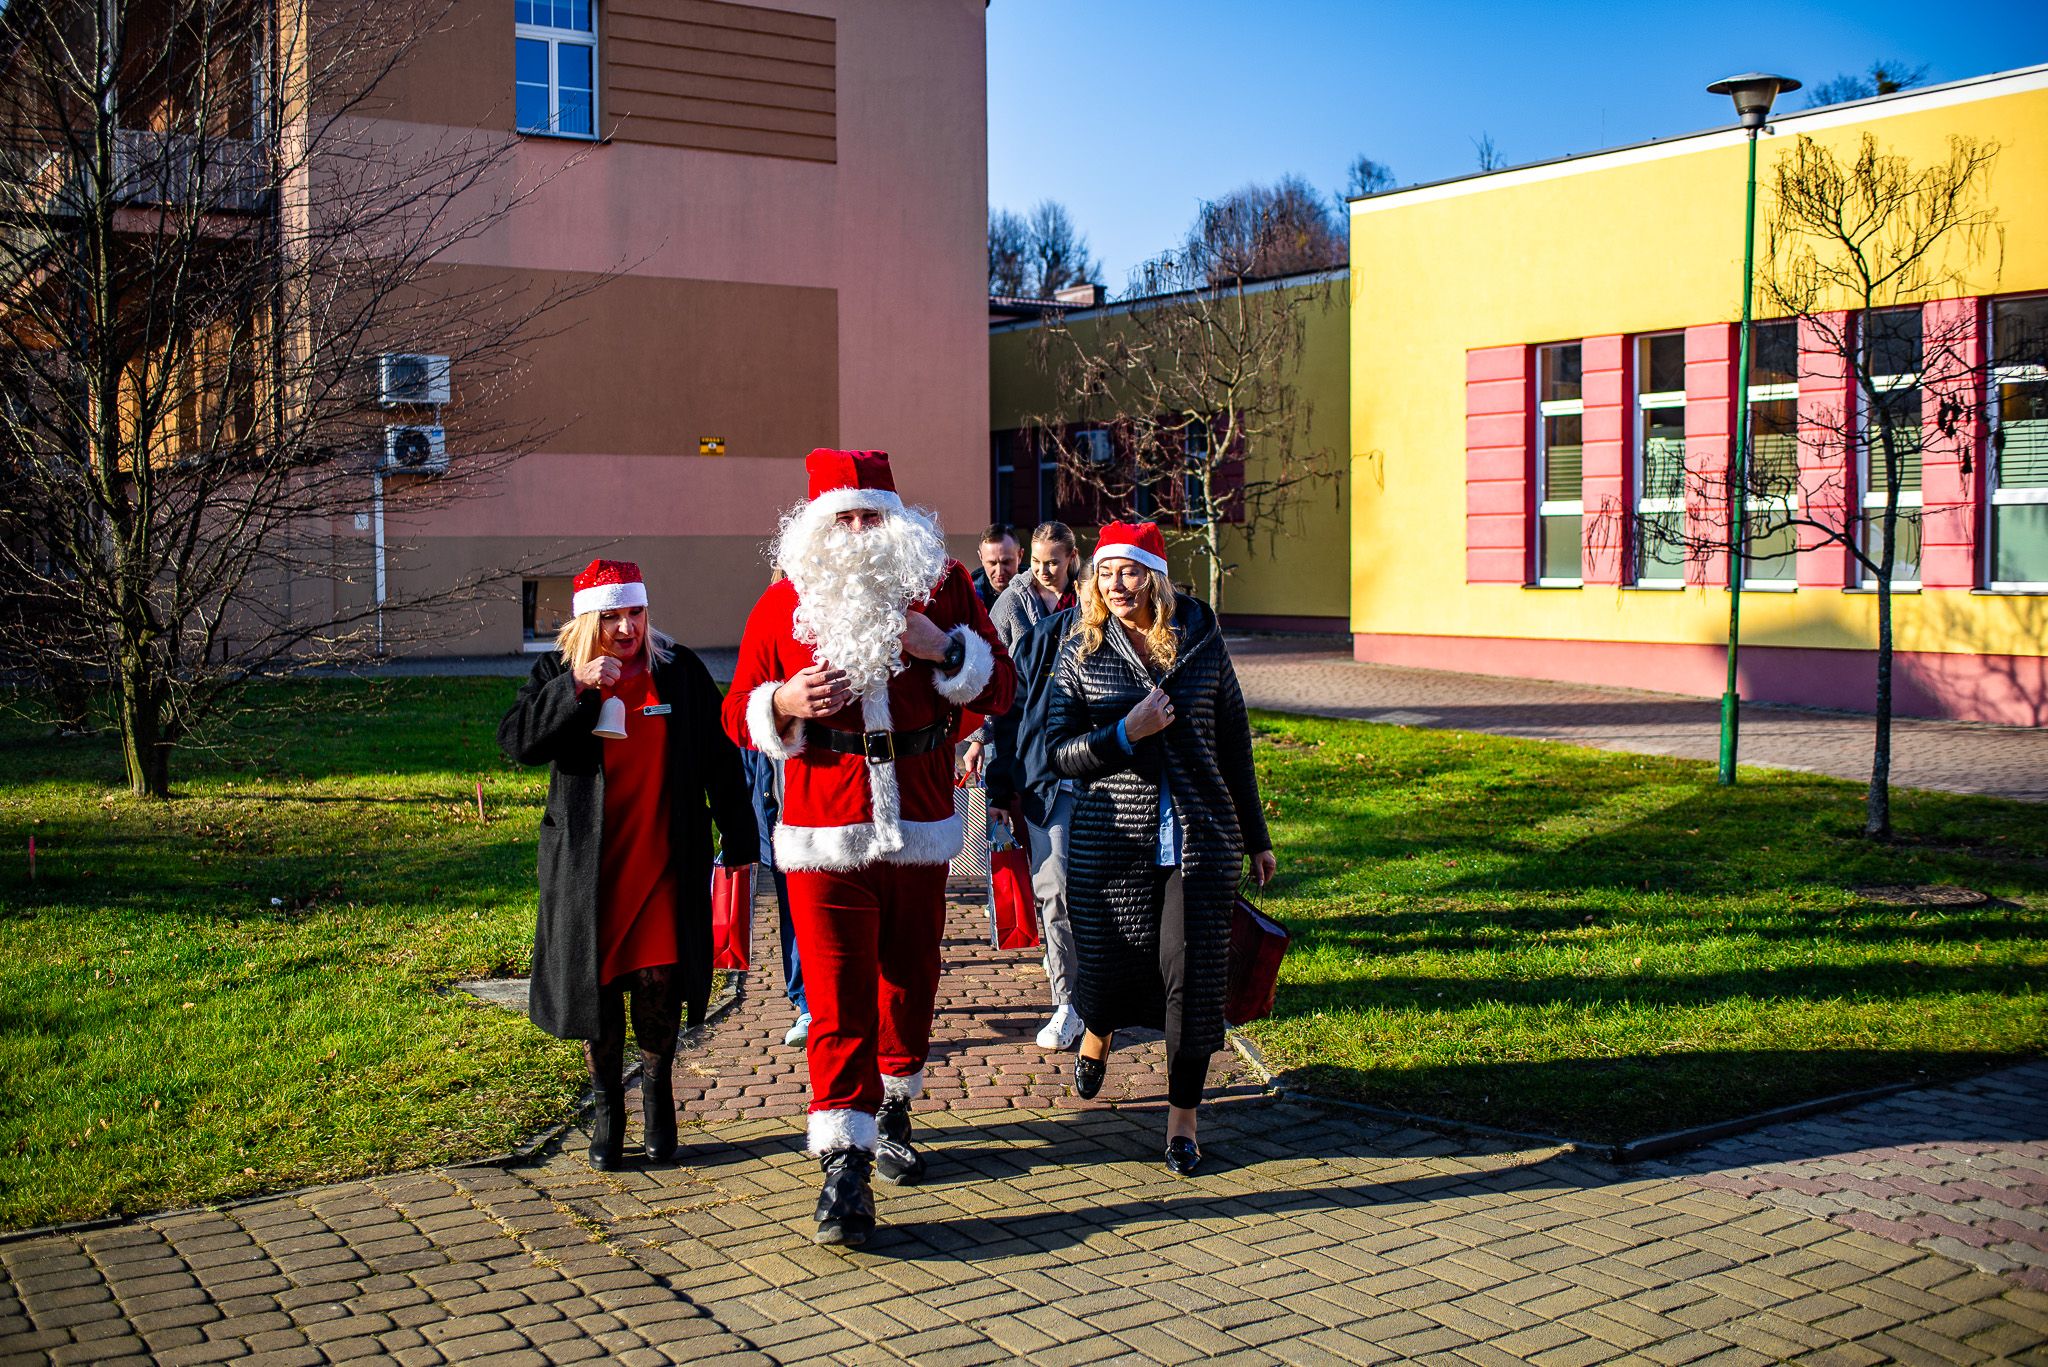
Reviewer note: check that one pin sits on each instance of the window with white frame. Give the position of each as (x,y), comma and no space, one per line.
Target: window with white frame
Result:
(1195,449)
(1772,497)
(555,66)
(1889,438)
(2017,478)
(1660,461)
(1560,465)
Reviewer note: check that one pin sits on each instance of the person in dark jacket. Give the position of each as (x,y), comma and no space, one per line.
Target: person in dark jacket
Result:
(764,777)
(999,556)
(625,843)
(1046,590)
(1145,714)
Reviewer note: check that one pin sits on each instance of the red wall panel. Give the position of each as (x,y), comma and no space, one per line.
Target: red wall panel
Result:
(1497,509)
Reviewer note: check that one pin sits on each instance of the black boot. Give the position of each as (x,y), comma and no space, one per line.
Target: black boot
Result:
(895,1161)
(846,1205)
(608,1129)
(657,1109)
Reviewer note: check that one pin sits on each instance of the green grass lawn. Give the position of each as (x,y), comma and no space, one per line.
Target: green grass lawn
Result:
(1524,934)
(1607,946)
(242,989)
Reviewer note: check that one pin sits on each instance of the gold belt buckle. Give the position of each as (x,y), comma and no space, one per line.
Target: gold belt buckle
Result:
(879,746)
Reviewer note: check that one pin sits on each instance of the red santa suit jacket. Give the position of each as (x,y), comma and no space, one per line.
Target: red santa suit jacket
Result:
(840,811)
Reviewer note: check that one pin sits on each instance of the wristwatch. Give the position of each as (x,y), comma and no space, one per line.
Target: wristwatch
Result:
(955,656)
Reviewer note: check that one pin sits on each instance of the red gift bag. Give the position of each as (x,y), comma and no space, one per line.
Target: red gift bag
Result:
(1012,910)
(732,916)
(1257,944)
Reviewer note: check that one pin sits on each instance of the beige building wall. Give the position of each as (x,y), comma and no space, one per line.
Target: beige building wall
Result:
(791,204)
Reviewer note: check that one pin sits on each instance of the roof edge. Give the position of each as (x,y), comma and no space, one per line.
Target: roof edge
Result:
(2021,79)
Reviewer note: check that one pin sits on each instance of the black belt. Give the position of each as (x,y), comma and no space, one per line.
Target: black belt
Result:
(879,747)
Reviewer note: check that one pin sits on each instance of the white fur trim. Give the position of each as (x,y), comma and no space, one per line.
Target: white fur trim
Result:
(841,848)
(1137,553)
(973,676)
(903,1088)
(833,502)
(605,597)
(885,795)
(761,724)
(830,1130)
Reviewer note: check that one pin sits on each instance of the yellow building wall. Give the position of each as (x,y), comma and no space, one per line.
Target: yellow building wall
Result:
(1296,569)
(1618,248)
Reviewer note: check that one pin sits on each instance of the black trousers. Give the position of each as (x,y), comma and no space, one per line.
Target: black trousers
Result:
(1187,1072)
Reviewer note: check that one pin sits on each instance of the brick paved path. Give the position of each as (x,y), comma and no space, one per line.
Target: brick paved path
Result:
(1956,757)
(1048,1231)
(1959,1170)
(991,1004)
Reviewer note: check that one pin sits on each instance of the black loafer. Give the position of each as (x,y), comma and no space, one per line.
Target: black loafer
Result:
(1182,1156)
(1088,1074)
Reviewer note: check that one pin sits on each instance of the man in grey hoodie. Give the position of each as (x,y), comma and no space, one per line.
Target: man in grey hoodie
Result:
(1045,591)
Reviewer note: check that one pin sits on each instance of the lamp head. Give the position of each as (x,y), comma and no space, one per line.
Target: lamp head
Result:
(1753,95)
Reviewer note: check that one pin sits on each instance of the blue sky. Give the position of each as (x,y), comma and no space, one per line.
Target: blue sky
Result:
(1131,112)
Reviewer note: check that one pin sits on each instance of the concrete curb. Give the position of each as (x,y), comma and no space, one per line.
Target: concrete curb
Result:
(1622,1153)
(1277,1084)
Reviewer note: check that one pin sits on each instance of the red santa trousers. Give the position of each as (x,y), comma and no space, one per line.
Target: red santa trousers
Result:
(868,939)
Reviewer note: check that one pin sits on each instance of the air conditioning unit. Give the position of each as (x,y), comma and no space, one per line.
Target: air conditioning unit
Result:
(415,450)
(1094,446)
(404,377)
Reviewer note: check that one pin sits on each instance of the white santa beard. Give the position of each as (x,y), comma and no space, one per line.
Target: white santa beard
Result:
(855,586)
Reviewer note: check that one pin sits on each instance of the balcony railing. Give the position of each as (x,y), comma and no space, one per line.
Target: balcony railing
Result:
(183,170)
(180,171)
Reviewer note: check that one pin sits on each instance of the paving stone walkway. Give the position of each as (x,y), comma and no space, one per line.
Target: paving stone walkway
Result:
(1049,1232)
(1959,1170)
(1958,757)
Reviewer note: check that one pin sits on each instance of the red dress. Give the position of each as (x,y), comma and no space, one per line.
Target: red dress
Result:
(636,906)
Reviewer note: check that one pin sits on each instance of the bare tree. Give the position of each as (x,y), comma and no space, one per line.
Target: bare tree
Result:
(1259,231)
(1034,255)
(1854,249)
(1884,77)
(1489,156)
(1059,250)
(1365,177)
(225,339)
(1009,253)
(1184,404)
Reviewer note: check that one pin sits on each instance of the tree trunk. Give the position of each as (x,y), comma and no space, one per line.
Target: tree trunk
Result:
(1213,544)
(1877,822)
(145,750)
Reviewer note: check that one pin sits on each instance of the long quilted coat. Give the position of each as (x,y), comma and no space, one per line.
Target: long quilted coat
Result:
(1206,757)
(550,724)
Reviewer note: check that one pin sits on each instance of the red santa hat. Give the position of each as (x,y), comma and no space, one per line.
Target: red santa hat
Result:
(1139,541)
(608,584)
(844,480)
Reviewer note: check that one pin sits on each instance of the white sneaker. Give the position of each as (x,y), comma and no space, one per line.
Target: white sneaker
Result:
(799,1032)
(1063,1031)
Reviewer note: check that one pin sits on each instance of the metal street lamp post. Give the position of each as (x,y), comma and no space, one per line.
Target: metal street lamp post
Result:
(1753,95)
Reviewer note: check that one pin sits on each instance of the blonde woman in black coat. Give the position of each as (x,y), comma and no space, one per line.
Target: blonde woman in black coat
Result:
(1146,714)
(625,844)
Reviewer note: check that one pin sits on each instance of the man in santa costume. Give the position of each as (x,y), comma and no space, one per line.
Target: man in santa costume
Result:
(852,672)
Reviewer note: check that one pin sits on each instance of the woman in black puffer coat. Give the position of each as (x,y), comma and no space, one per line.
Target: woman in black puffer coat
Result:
(1146,715)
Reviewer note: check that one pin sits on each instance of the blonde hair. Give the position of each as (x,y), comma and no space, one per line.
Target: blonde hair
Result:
(1162,646)
(577,640)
